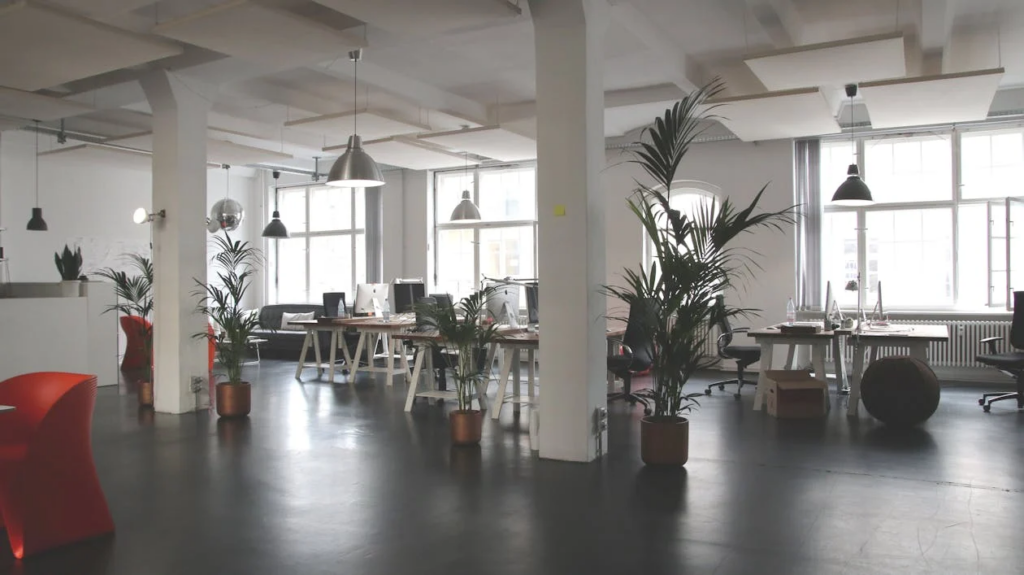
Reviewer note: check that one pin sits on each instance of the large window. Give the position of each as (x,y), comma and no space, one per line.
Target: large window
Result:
(327,248)
(935,236)
(502,244)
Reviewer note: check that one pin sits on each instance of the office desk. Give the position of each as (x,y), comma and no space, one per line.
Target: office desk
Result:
(367,328)
(915,337)
(769,337)
(512,341)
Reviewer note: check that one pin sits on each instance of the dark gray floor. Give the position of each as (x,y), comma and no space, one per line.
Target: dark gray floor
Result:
(322,479)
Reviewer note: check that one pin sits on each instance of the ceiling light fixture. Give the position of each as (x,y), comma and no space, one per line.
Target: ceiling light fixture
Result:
(853,191)
(275,229)
(227,214)
(37,223)
(466,210)
(355,168)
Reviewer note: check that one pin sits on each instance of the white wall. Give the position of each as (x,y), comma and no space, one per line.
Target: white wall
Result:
(91,199)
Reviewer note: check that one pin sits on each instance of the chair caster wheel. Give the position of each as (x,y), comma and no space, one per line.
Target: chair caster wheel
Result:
(721,387)
(647,411)
(981,402)
(986,408)
(707,391)
(736,396)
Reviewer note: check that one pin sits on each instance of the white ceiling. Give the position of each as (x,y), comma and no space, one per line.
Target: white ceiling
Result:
(283,85)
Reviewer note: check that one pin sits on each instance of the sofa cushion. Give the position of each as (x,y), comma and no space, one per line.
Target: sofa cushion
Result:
(270,315)
(288,318)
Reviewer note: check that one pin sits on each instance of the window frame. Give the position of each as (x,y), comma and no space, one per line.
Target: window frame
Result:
(700,188)
(273,245)
(478,226)
(954,204)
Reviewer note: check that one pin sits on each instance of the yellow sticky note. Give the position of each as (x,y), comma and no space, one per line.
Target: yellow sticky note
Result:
(559,210)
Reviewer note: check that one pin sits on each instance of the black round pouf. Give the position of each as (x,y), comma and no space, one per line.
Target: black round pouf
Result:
(900,391)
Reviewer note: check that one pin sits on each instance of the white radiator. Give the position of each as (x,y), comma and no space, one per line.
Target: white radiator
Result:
(963,345)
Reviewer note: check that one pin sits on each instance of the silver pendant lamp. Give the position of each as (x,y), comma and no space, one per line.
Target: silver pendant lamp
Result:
(226,214)
(275,229)
(853,191)
(466,210)
(355,168)
(37,223)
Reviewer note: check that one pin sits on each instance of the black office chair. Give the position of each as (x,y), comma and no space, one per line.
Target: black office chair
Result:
(332,299)
(744,355)
(438,355)
(638,353)
(1011,363)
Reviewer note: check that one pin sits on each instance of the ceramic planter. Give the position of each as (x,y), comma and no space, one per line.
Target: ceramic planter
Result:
(665,440)
(234,399)
(145,392)
(466,426)
(71,288)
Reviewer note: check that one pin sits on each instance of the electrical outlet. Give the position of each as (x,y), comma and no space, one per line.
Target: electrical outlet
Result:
(600,420)
(197,383)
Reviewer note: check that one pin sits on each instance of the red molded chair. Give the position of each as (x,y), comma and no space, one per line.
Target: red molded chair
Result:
(136,329)
(49,492)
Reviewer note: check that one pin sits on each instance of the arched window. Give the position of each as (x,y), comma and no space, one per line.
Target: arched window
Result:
(687,196)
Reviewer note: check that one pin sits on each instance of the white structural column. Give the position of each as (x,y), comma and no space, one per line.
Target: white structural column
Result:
(179,240)
(570,155)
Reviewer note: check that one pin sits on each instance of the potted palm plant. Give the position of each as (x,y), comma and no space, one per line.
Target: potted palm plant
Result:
(221,302)
(135,298)
(694,263)
(463,337)
(69,265)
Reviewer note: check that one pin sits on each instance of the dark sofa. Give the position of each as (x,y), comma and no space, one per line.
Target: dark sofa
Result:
(287,344)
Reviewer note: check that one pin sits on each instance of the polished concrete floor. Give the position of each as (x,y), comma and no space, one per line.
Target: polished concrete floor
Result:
(325,479)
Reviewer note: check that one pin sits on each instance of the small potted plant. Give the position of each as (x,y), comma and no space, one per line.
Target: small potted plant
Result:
(694,264)
(463,338)
(69,265)
(135,298)
(236,263)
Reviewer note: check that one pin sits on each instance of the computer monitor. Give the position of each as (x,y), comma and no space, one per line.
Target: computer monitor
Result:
(503,304)
(442,299)
(407,294)
(532,307)
(367,295)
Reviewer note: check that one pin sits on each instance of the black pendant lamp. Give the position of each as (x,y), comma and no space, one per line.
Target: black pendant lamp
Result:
(355,168)
(275,229)
(853,191)
(37,223)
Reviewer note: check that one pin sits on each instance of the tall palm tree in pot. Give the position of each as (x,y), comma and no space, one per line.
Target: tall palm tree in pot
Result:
(693,264)
(135,298)
(221,301)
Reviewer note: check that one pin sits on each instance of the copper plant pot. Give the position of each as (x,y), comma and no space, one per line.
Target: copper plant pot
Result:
(466,426)
(145,392)
(665,440)
(234,399)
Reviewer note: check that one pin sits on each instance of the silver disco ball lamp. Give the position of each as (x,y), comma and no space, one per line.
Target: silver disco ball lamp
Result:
(228,214)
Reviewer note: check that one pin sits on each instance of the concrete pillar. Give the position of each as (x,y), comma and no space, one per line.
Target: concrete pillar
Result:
(570,155)
(179,240)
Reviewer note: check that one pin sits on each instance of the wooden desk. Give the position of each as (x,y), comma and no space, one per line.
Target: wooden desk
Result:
(367,328)
(512,341)
(769,337)
(915,337)
(312,328)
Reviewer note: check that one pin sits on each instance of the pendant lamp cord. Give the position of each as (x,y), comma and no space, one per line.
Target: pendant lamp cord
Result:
(355,96)
(37,163)
(227,181)
(276,190)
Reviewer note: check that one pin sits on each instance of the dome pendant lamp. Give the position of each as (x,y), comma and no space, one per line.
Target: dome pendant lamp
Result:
(853,191)
(37,223)
(466,210)
(355,168)
(275,229)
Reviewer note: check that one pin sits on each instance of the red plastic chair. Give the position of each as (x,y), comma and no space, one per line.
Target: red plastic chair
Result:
(49,493)
(136,330)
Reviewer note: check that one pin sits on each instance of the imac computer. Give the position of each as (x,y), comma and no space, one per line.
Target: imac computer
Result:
(407,293)
(370,298)
(503,304)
